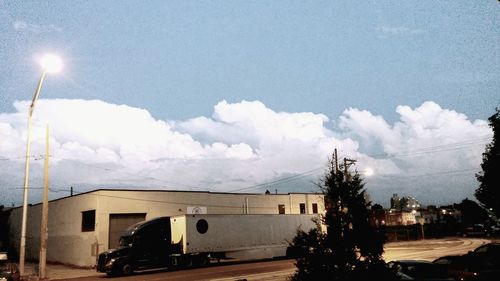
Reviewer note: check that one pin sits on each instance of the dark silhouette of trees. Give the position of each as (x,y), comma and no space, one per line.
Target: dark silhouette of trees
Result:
(351,249)
(488,192)
(472,213)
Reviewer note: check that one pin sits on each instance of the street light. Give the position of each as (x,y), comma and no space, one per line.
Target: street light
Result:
(369,172)
(50,64)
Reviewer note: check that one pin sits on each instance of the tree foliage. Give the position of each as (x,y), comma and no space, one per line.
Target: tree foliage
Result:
(351,249)
(488,192)
(472,213)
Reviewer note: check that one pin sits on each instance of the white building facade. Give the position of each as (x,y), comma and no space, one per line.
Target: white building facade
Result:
(81,226)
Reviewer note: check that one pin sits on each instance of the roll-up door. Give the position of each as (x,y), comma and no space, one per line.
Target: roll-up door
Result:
(118,223)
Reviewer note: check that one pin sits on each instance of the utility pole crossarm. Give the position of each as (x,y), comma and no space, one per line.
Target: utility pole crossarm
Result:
(347,163)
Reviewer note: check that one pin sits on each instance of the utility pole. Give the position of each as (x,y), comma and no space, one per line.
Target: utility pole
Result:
(347,163)
(42,271)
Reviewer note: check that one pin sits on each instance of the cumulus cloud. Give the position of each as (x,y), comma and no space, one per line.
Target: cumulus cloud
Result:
(21,26)
(423,130)
(95,144)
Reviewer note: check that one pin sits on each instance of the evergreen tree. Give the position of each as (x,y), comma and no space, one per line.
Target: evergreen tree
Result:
(351,249)
(488,192)
(471,212)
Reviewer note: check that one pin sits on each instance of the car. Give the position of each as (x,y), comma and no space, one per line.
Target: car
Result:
(483,263)
(476,230)
(419,270)
(8,271)
(494,230)
(485,260)
(457,267)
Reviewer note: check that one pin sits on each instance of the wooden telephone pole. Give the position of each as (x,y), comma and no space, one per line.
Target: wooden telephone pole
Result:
(347,163)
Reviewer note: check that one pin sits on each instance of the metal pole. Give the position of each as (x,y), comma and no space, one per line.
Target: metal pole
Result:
(22,249)
(45,212)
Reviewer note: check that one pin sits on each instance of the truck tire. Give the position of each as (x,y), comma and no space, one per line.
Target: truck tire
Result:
(174,261)
(204,261)
(187,261)
(127,269)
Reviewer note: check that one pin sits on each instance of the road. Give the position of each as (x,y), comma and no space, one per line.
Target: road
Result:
(431,249)
(279,270)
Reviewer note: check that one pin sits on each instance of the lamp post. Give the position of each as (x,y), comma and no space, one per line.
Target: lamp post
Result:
(50,64)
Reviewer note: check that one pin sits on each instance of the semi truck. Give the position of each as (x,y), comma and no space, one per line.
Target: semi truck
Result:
(189,240)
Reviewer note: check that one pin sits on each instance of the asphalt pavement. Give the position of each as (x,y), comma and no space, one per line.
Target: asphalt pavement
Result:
(422,249)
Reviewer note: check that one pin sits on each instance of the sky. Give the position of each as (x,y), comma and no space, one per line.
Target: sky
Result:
(248,96)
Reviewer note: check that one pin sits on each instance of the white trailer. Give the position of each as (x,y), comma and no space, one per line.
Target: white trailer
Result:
(242,237)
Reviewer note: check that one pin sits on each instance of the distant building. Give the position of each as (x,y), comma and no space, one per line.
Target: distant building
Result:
(395,217)
(449,214)
(429,215)
(406,203)
(395,202)
(409,203)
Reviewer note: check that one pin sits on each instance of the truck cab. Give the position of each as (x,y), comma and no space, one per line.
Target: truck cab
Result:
(143,245)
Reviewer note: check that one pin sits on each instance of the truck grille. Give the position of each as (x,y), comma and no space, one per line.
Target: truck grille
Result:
(101,262)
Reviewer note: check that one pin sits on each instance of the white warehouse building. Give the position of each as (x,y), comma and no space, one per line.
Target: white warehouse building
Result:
(83,225)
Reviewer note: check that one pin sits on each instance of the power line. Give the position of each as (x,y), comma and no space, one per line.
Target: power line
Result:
(425,150)
(430,149)
(431,174)
(157,201)
(128,173)
(289,178)
(56,190)
(173,202)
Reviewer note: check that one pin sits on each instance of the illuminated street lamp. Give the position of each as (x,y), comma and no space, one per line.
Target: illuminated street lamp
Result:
(50,64)
(369,172)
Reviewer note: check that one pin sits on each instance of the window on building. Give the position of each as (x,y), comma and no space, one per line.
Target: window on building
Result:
(302,207)
(88,221)
(281,209)
(315,208)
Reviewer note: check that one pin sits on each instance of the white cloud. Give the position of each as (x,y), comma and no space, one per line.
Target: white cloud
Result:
(426,129)
(436,150)
(98,144)
(20,25)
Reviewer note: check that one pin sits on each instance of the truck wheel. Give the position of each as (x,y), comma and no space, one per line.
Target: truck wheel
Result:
(127,269)
(174,261)
(188,261)
(204,260)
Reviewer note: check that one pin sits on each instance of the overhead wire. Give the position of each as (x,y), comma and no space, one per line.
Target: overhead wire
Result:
(430,149)
(172,202)
(128,173)
(425,150)
(99,193)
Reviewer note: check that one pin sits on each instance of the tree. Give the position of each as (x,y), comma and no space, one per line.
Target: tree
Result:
(351,249)
(472,213)
(488,192)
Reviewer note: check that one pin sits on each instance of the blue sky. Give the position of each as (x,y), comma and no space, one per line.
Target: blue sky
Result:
(179,60)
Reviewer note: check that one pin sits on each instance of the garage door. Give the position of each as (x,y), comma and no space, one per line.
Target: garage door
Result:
(118,223)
